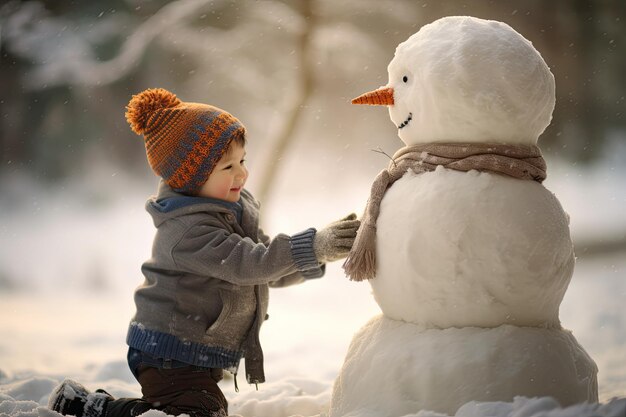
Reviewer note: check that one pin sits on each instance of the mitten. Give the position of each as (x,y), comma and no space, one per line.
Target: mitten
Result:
(335,240)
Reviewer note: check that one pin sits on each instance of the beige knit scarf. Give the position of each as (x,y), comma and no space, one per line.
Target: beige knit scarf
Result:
(517,161)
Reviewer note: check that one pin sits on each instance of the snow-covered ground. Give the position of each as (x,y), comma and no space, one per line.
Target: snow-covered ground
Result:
(70,260)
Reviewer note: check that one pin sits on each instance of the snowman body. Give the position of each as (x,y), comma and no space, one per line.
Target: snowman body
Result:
(394,368)
(458,249)
(471,267)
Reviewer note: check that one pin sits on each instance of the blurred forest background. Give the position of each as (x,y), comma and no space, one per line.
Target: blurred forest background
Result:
(74,178)
(287,69)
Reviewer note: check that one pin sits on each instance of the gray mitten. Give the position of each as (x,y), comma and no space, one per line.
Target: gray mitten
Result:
(335,240)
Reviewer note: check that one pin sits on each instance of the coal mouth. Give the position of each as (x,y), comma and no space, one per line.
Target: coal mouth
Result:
(406,122)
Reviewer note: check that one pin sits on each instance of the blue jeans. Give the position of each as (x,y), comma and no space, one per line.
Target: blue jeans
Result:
(136,358)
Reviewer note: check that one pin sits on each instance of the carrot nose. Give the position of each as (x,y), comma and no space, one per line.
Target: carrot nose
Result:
(381,97)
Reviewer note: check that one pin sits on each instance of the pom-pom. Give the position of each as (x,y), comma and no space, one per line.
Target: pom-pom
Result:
(144,104)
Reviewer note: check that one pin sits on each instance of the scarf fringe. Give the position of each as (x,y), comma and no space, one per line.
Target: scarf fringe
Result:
(360,264)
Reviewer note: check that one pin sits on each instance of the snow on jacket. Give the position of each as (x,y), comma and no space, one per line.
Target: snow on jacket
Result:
(205,293)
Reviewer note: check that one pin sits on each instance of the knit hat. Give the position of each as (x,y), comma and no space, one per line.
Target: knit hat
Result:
(184,141)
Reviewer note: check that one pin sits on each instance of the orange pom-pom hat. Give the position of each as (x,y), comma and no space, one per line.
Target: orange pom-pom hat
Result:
(184,141)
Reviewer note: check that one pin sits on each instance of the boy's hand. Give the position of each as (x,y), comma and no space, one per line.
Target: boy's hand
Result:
(335,240)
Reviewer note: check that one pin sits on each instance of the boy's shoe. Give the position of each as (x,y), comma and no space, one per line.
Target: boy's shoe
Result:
(73,399)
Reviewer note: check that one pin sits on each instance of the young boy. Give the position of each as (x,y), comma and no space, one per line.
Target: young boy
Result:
(205,294)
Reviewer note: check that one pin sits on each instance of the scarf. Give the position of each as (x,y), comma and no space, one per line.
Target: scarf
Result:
(517,161)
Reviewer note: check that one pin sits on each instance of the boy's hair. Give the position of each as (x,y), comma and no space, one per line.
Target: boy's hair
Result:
(183,140)
(238,138)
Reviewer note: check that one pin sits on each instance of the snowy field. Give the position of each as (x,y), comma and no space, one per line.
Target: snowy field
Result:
(70,261)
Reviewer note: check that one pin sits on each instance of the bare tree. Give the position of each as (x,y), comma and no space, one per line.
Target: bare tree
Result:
(296,102)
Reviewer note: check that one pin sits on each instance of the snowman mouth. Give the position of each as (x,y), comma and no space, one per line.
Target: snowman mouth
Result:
(406,122)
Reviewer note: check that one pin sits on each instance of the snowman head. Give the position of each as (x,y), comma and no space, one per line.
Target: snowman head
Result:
(464,79)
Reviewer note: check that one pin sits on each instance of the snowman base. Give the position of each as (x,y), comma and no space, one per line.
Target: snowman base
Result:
(394,368)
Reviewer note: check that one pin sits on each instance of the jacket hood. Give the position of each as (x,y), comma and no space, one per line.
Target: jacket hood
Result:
(168,204)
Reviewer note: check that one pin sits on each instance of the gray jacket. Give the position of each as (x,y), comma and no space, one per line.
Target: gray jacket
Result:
(205,293)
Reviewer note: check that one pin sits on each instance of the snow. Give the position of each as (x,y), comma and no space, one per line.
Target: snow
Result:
(71,259)
(469,79)
(55,325)
(471,267)
(417,368)
(487,250)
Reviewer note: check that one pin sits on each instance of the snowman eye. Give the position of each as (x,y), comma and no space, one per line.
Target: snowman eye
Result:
(405,78)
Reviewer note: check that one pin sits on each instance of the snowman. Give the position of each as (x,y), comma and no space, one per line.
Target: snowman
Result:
(469,255)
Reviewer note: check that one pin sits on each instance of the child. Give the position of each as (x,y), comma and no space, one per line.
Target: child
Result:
(205,294)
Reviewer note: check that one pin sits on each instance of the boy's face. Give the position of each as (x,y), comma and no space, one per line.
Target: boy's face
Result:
(228,177)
